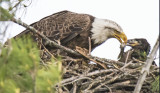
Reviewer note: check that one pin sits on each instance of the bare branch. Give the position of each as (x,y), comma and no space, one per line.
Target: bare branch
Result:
(89,74)
(145,69)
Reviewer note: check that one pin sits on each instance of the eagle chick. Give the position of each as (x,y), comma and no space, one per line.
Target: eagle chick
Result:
(140,48)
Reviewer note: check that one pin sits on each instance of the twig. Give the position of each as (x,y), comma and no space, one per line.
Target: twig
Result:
(16,4)
(77,79)
(137,60)
(127,56)
(120,85)
(99,80)
(92,83)
(43,63)
(110,90)
(83,52)
(89,40)
(74,87)
(47,51)
(66,89)
(115,66)
(109,81)
(145,69)
(97,72)
(101,64)
(126,65)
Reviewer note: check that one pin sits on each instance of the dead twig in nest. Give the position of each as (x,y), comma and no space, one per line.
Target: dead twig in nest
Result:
(84,53)
(127,57)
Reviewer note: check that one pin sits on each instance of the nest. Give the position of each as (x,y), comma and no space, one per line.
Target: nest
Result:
(106,76)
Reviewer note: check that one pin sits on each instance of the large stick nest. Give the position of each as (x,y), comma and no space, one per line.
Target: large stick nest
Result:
(107,76)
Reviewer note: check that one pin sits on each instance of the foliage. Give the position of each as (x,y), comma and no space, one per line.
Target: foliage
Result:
(20,70)
(141,55)
(8,8)
(4,14)
(155,85)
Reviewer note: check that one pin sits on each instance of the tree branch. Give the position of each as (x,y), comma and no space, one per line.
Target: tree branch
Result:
(146,67)
(53,43)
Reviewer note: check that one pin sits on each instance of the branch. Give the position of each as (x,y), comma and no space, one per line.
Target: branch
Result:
(97,72)
(146,67)
(53,43)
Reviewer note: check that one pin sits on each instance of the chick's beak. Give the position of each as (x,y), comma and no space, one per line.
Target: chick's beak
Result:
(121,37)
(132,43)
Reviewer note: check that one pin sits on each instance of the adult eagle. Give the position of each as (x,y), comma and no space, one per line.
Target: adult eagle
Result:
(72,29)
(140,48)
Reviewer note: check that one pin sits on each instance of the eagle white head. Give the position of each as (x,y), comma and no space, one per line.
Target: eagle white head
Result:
(103,29)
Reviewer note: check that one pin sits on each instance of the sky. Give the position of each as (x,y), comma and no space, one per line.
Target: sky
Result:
(138,19)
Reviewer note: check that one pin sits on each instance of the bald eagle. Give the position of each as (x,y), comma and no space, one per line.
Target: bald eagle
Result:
(73,29)
(140,48)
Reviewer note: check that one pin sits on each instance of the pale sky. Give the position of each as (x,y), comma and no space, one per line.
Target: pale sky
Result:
(138,18)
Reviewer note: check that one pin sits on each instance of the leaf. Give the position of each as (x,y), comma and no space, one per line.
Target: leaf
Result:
(5,15)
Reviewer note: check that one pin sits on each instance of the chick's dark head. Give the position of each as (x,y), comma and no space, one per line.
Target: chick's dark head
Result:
(139,44)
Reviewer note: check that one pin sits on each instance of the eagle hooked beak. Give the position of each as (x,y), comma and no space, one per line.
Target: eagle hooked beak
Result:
(121,37)
(132,43)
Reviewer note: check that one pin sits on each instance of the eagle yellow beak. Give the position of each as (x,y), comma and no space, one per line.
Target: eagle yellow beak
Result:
(121,37)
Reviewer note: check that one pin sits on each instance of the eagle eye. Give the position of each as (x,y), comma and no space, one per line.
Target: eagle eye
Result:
(117,32)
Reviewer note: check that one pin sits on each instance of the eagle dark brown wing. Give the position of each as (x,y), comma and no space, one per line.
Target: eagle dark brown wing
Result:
(64,26)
